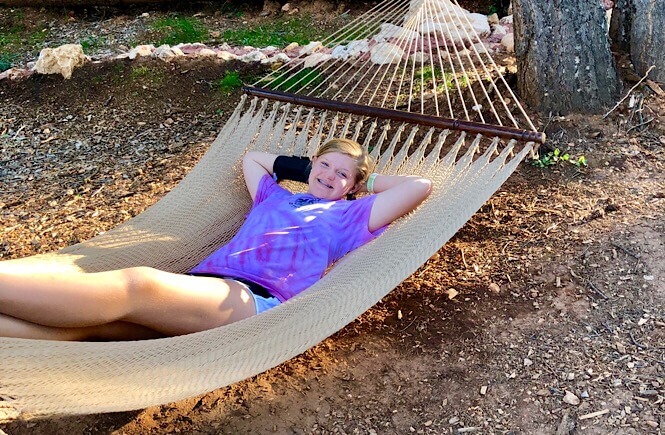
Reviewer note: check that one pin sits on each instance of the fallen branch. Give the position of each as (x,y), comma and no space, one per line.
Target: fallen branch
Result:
(640,125)
(594,414)
(654,87)
(629,92)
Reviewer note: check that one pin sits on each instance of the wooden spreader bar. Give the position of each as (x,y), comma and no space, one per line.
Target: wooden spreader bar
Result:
(399,115)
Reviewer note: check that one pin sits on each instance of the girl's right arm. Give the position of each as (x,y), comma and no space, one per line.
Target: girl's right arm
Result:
(255,165)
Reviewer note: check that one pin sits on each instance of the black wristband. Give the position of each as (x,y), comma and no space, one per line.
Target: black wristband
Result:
(292,168)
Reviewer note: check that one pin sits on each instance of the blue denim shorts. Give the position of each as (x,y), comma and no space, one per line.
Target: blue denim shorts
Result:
(262,299)
(262,303)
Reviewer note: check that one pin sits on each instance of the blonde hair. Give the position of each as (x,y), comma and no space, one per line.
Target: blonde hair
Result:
(352,149)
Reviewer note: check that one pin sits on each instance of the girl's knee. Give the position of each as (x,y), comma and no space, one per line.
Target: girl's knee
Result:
(139,280)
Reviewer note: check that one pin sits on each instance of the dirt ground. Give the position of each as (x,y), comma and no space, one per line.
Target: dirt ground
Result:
(559,318)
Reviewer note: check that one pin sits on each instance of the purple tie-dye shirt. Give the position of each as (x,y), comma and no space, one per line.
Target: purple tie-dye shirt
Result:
(289,240)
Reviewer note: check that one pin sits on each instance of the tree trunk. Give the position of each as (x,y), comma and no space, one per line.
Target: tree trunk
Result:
(620,26)
(647,38)
(563,56)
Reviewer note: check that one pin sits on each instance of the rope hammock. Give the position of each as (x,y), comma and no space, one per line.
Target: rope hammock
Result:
(412,82)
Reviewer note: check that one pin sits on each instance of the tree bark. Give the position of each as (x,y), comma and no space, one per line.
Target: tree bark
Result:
(563,56)
(620,26)
(647,38)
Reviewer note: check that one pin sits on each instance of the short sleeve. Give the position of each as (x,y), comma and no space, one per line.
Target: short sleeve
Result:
(267,187)
(355,221)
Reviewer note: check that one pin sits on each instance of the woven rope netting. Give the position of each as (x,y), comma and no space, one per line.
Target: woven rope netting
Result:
(432,62)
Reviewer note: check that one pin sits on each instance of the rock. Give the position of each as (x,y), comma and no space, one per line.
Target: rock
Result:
(340,52)
(225,55)
(61,60)
(493,19)
(508,19)
(494,288)
(291,46)
(480,24)
(16,74)
(355,48)
(166,53)
(253,56)
(508,42)
(278,58)
(289,9)
(315,59)
(141,50)
(481,48)
(312,47)
(500,31)
(419,57)
(390,31)
(571,399)
(386,53)
(206,52)
(527,362)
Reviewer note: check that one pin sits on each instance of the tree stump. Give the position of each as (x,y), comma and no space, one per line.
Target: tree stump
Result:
(647,38)
(563,56)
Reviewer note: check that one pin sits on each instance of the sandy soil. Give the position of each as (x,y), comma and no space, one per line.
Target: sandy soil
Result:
(557,326)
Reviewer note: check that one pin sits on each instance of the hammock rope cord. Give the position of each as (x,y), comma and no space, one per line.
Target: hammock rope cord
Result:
(338,82)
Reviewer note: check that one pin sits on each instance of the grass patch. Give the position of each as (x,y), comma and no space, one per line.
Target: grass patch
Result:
(278,33)
(229,83)
(6,61)
(429,75)
(176,30)
(18,35)
(146,75)
(303,78)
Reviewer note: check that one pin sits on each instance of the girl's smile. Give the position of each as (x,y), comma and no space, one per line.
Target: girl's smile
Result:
(332,176)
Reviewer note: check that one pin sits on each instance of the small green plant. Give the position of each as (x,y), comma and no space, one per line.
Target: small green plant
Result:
(176,30)
(89,42)
(581,161)
(559,157)
(230,82)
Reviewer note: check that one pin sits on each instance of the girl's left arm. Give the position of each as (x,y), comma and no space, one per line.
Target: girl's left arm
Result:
(396,195)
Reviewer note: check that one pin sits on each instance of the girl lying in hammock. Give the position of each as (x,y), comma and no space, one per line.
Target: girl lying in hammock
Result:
(285,245)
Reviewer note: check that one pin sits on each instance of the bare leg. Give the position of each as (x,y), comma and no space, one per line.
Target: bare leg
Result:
(17,328)
(169,303)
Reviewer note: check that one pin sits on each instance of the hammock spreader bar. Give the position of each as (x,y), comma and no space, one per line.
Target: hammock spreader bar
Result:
(399,115)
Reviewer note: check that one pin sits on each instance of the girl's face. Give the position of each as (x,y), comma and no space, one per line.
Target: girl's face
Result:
(333,176)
